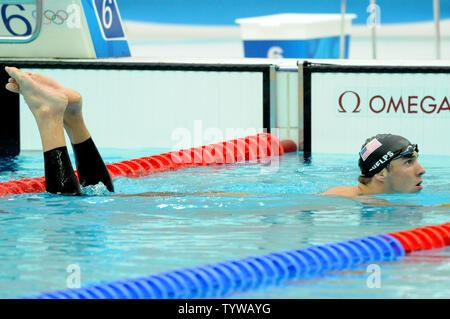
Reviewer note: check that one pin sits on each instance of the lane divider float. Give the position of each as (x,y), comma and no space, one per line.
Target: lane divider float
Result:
(222,279)
(238,150)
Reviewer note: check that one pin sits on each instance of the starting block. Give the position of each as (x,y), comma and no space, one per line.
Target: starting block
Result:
(61,29)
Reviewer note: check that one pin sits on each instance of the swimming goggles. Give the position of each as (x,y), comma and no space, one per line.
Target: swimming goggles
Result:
(408,151)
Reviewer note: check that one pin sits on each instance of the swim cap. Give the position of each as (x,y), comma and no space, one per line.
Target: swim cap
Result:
(378,151)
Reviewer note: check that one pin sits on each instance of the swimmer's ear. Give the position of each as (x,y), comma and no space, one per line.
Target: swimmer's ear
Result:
(381,176)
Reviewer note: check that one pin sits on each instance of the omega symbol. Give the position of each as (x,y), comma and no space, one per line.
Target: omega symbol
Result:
(358,102)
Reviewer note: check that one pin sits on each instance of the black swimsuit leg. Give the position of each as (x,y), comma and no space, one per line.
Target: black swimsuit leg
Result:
(90,165)
(59,175)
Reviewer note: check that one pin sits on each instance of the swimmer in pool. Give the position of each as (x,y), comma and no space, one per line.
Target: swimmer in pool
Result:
(389,164)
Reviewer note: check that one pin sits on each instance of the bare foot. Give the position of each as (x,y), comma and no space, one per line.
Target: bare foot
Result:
(73,111)
(47,104)
(44,101)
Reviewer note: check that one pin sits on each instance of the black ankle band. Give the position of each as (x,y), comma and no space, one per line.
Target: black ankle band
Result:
(90,165)
(59,175)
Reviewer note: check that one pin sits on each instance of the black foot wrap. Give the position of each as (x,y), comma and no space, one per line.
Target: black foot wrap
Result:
(90,165)
(59,175)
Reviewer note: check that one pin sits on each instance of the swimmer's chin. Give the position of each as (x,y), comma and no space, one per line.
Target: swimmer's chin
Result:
(417,189)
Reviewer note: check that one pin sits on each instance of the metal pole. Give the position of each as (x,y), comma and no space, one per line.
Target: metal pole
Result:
(342,39)
(437,28)
(373,14)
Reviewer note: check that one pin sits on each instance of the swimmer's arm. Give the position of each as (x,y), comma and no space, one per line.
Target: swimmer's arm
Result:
(369,200)
(382,202)
(373,201)
(354,193)
(360,199)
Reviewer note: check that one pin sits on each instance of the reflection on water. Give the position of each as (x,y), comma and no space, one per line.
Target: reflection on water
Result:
(8,164)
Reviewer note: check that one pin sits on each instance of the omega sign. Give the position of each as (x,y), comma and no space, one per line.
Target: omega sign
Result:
(351,102)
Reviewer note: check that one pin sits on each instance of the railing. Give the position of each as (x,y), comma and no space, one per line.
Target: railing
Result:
(373,23)
(436,13)
(37,29)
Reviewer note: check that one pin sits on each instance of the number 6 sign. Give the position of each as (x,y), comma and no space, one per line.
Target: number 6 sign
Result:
(109,19)
(105,26)
(70,29)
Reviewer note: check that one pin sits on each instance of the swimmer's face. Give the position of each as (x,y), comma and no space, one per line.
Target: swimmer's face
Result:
(404,175)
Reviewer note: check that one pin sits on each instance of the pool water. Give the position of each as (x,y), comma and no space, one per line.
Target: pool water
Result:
(111,237)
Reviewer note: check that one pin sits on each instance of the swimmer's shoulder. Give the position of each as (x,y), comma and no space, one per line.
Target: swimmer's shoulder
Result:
(347,191)
(355,193)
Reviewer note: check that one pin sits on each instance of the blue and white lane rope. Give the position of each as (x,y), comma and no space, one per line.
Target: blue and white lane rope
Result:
(222,279)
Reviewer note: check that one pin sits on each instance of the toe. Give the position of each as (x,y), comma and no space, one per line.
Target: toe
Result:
(17,75)
(13,87)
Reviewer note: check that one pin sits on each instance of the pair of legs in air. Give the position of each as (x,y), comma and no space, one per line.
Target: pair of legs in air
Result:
(56,108)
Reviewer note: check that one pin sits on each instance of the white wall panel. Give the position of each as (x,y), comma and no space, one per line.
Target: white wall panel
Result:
(138,109)
(338,132)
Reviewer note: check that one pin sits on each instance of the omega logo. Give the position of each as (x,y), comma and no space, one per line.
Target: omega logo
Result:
(377,104)
(358,102)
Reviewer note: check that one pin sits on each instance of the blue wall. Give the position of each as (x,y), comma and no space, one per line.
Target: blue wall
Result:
(224,12)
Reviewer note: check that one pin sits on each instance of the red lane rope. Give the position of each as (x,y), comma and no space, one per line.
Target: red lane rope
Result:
(233,151)
(423,238)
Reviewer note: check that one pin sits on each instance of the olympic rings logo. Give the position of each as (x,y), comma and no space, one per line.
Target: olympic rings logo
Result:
(58,17)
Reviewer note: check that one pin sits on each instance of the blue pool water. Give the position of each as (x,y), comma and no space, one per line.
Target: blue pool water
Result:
(112,237)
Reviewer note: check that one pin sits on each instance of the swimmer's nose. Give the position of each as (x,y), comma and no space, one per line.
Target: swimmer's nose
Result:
(421,170)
